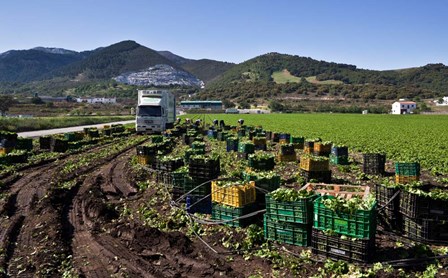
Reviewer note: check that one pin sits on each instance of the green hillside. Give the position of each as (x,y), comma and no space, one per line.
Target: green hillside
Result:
(30,65)
(207,70)
(274,75)
(110,61)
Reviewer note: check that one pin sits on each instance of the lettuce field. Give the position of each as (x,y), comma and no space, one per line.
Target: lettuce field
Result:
(422,138)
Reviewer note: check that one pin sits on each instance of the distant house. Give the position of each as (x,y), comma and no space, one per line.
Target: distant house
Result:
(444,102)
(403,107)
(202,104)
(93,100)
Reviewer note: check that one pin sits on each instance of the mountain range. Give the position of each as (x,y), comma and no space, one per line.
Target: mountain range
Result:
(270,74)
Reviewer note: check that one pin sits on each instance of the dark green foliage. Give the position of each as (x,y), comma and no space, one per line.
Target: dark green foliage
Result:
(118,58)
(30,65)
(207,70)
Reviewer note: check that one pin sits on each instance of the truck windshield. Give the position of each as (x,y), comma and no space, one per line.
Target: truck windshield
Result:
(151,111)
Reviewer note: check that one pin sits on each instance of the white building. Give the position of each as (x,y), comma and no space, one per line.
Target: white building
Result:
(403,107)
(444,103)
(92,100)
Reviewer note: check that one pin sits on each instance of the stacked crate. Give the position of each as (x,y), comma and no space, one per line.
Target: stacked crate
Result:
(322,148)
(275,137)
(59,145)
(24,144)
(222,135)
(232,144)
(390,214)
(265,182)
(339,155)
(45,142)
(407,172)
(284,138)
(297,142)
(259,143)
(341,235)
(261,161)
(288,222)
(425,217)
(374,163)
(212,134)
(232,200)
(245,148)
(146,154)
(268,135)
(168,163)
(287,153)
(315,168)
(201,170)
(308,147)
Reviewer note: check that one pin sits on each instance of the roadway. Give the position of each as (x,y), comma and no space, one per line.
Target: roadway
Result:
(38,133)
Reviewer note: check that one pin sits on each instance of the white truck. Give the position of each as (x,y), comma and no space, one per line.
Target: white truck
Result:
(156,111)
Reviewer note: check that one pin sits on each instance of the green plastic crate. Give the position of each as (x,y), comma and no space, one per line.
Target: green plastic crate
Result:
(261,164)
(284,232)
(296,140)
(361,224)
(220,212)
(295,212)
(190,184)
(407,168)
(338,160)
(246,147)
(269,184)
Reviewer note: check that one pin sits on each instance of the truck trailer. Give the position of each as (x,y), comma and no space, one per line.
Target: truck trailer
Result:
(156,111)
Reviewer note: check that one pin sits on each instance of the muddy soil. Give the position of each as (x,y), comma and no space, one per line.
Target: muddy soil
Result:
(48,232)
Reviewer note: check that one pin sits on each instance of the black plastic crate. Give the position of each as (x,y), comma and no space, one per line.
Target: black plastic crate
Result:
(199,204)
(45,142)
(59,145)
(342,248)
(391,220)
(374,163)
(425,230)
(320,176)
(169,165)
(383,194)
(287,149)
(417,206)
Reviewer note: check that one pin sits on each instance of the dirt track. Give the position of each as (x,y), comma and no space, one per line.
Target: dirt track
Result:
(43,230)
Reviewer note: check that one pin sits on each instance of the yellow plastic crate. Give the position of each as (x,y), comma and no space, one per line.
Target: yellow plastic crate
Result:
(145,159)
(235,196)
(307,164)
(406,179)
(286,157)
(106,126)
(283,141)
(5,150)
(319,147)
(308,150)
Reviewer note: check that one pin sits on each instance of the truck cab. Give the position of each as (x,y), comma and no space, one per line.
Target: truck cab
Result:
(155,111)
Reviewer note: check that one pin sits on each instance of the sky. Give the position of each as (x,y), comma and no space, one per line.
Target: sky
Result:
(380,35)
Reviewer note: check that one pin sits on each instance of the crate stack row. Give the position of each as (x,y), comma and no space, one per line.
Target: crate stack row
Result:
(407,172)
(313,167)
(424,217)
(341,234)
(260,169)
(298,142)
(287,153)
(322,148)
(339,155)
(233,201)
(14,149)
(286,220)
